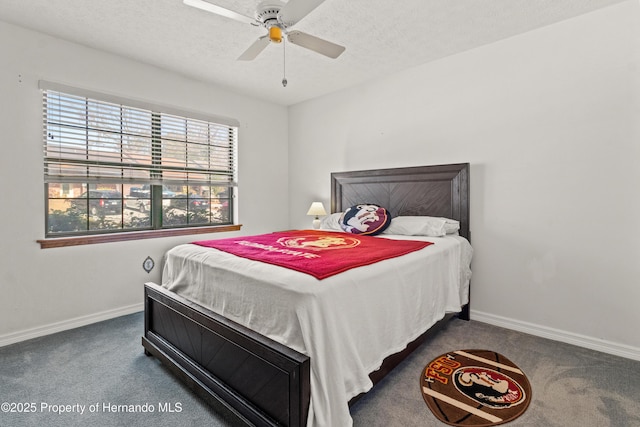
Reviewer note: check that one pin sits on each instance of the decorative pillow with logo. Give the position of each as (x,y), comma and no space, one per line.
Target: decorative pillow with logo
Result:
(366,218)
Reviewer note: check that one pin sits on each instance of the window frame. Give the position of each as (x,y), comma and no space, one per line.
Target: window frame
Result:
(155,182)
(60,242)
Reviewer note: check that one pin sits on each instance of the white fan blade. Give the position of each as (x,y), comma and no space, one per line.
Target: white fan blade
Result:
(255,49)
(218,10)
(315,44)
(295,10)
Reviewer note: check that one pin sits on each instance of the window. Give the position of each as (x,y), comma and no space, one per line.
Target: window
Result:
(113,165)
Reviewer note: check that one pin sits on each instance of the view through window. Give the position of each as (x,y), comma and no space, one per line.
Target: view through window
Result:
(113,167)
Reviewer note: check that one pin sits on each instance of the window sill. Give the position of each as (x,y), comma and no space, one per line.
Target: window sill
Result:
(60,242)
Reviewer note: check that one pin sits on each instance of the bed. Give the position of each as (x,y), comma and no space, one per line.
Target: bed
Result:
(249,369)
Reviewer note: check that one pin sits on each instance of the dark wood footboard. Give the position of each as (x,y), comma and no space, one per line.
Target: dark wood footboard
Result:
(262,381)
(259,379)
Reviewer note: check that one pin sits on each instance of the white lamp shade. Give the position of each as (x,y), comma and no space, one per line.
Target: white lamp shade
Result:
(316,209)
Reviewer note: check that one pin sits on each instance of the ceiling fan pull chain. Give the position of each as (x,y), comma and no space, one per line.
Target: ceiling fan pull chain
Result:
(284,63)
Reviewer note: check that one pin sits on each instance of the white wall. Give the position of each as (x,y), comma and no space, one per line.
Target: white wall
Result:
(45,290)
(550,122)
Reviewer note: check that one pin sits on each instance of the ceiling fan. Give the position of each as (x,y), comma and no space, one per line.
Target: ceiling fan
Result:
(277,18)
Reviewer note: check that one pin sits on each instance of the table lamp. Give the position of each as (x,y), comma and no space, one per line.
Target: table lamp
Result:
(316,210)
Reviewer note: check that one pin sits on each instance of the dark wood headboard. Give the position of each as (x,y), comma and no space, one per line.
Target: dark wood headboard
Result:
(441,191)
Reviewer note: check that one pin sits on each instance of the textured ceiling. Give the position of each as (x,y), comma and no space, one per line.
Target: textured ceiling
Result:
(380,36)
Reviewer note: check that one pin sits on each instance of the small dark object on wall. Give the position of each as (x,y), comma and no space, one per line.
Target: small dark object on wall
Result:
(148,264)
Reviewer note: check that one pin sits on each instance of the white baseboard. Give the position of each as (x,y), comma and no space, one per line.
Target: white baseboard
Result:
(52,328)
(603,346)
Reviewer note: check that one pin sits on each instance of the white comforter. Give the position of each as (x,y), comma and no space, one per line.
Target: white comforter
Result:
(347,324)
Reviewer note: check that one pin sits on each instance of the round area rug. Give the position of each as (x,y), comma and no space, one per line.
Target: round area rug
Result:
(475,388)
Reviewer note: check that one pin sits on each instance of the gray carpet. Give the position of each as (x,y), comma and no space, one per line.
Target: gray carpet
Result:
(102,367)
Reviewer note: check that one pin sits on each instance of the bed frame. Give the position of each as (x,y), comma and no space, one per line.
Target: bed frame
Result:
(264,382)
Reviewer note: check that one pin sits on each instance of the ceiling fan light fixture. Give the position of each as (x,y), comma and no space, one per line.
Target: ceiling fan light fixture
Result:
(275,34)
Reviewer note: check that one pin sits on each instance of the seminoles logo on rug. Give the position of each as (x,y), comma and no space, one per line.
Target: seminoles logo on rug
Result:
(319,243)
(480,388)
(488,387)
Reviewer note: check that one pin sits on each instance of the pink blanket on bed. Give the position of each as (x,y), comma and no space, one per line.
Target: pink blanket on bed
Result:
(319,253)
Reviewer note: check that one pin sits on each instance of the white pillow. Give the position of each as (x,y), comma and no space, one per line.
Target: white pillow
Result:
(331,222)
(422,226)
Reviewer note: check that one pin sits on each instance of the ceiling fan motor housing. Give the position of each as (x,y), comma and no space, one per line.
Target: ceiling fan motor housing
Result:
(269,15)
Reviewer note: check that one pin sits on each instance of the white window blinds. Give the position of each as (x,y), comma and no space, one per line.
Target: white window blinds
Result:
(103,139)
